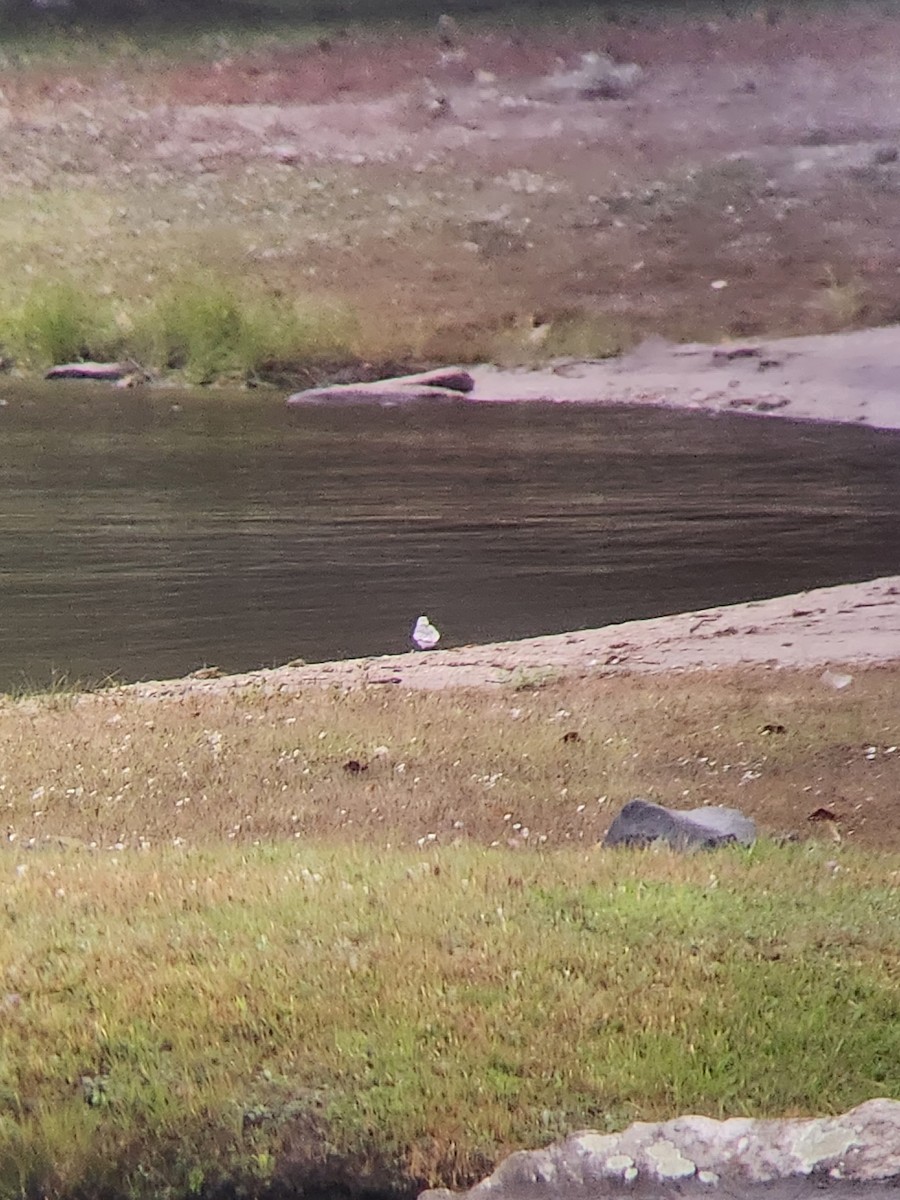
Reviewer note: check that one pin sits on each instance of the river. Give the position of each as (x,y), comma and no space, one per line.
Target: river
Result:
(146,534)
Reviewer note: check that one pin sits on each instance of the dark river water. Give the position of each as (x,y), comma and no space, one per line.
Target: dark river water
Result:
(143,535)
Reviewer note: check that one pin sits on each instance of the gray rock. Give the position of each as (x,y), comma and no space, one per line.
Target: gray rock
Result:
(641,822)
(854,1155)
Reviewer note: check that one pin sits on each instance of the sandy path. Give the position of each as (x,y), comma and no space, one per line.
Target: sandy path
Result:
(845,625)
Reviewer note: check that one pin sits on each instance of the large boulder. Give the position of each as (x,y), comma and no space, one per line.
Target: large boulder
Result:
(641,822)
(854,1156)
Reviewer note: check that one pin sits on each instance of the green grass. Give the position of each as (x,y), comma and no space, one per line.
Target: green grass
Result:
(226,957)
(200,329)
(175,1015)
(58,323)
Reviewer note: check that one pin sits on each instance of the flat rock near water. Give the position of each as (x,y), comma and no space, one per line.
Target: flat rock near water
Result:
(99,372)
(857,1154)
(450,384)
(640,823)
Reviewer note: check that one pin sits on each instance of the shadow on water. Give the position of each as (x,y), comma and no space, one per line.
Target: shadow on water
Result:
(145,535)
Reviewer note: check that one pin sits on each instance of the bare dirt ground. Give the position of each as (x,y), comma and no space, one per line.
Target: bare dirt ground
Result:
(468,208)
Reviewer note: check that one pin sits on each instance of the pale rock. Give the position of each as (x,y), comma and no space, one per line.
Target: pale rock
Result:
(450,383)
(852,1157)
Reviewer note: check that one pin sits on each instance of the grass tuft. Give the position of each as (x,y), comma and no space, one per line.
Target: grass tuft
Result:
(201,331)
(57,322)
(844,303)
(202,328)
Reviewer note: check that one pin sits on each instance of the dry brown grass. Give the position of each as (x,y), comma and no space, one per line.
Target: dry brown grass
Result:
(537,763)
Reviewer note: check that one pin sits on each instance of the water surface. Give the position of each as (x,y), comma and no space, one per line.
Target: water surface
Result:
(145,534)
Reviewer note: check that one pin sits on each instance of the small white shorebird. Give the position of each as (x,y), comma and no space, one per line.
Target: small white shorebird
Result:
(424,634)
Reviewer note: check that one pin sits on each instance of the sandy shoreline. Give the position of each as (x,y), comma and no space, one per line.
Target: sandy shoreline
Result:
(847,378)
(844,379)
(851,624)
